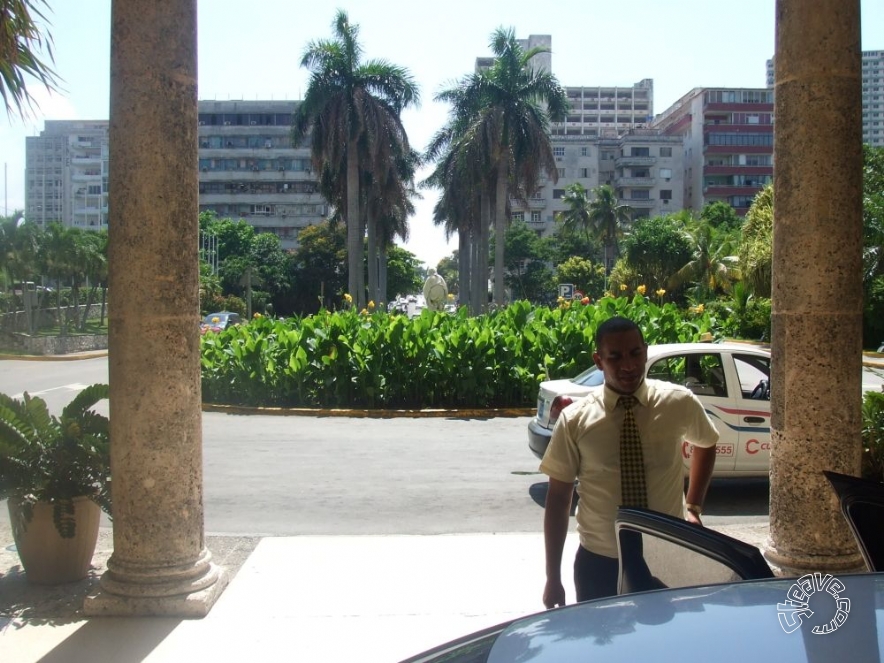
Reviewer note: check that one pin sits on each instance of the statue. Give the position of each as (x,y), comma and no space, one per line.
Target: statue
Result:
(435,291)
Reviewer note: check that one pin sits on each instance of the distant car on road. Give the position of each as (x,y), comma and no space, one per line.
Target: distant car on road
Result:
(215,322)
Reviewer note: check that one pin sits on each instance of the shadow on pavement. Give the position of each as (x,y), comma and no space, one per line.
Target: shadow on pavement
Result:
(538,491)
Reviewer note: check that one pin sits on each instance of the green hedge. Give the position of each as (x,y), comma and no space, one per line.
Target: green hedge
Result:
(436,360)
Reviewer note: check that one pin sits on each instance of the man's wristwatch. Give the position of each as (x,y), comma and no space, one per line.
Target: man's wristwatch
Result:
(695,509)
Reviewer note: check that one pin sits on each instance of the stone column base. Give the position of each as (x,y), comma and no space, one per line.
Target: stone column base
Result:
(188,591)
(788,565)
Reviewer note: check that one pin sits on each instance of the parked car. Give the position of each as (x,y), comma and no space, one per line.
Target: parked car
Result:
(739,621)
(732,380)
(215,322)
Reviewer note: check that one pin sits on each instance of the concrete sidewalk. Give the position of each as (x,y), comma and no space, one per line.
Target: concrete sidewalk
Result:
(319,598)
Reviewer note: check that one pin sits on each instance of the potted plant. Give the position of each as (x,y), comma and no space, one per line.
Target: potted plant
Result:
(55,474)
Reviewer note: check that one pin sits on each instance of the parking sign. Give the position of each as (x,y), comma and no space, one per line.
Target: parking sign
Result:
(566,290)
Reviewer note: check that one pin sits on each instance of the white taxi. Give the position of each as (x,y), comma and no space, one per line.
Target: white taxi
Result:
(732,380)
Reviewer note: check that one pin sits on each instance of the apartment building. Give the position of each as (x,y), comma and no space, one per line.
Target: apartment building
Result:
(604,124)
(250,170)
(727,140)
(66,170)
(873,95)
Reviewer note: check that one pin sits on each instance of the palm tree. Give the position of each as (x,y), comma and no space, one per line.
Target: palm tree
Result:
(350,108)
(458,210)
(578,216)
(22,41)
(500,124)
(711,268)
(756,248)
(608,218)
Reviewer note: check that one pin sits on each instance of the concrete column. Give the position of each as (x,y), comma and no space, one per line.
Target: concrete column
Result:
(160,565)
(817,293)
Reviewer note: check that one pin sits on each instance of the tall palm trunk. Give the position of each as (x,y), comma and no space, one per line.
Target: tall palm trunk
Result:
(382,275)
(463,267)
(373,287)
(480,278)
(355,279)
(499,233)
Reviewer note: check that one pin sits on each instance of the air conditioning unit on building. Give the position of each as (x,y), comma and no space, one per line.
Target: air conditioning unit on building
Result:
(202,123)
(253,123)
(227,124)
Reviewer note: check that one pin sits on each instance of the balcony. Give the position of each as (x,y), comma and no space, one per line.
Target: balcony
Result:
(738,170)
(638,203)
(635,181)
(622,162)
(730,190)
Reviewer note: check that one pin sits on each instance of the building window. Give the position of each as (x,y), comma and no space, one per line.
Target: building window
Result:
(584,172)
(666,195)
(665,151)
(518,217)
(559,151)
(535,216)
(641,152)
(561,172)
(584,151)
(640,194)
(558,193)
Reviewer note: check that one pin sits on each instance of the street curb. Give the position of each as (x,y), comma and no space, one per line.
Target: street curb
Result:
(466,413)
(70,357)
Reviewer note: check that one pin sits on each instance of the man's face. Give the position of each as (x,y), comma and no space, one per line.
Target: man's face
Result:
(622,357)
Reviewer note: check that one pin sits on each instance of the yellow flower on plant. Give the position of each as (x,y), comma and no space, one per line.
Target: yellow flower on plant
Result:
(348,298)
(450,297)
(364,312)
(641,289)
(371,305)
(661,292)
(257,315)
(700,308)
(216,319)
(622,287)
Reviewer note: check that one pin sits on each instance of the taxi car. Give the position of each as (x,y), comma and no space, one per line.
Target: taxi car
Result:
(732,380)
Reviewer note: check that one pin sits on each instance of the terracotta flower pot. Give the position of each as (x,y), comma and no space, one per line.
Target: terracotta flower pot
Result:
(49,559)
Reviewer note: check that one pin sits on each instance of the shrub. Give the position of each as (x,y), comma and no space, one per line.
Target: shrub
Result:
(873,435)
(380,360)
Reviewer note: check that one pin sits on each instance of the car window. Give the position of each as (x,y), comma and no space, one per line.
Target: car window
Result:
(591,377)
(752,370)
(702,373)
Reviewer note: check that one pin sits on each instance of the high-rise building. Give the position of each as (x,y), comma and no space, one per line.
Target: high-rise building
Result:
(727,138)
(250,170)
(595,144)
(873,95)
(66,170)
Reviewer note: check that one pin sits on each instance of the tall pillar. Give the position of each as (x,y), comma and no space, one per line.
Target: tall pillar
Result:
(160,565)
(817,293)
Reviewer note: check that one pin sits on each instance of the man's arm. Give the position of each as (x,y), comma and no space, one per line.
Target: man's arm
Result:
(702,463)
(556,517)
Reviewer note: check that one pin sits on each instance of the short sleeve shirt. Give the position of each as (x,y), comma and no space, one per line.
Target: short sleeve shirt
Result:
(585,446)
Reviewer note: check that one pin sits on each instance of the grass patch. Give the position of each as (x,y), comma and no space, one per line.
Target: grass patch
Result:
(93,327)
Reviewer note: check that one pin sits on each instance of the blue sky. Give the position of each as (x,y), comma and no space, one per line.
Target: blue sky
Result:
(251,50)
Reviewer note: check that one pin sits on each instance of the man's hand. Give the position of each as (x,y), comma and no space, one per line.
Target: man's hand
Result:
(694,518)
(553,594)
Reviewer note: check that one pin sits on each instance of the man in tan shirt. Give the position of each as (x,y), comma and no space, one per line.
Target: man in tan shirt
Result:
(585,446)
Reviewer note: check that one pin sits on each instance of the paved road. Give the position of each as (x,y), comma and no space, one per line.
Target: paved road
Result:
(335,475)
